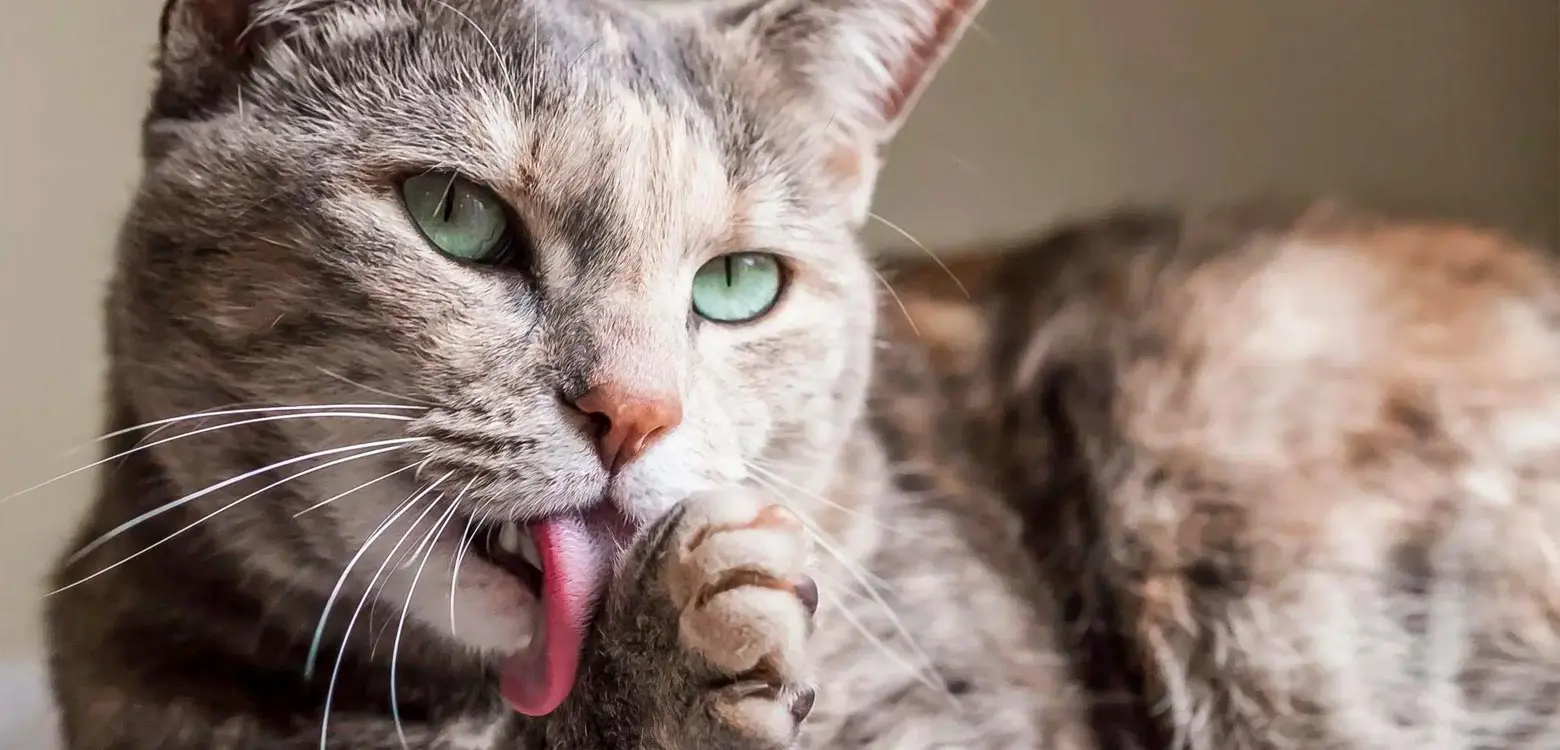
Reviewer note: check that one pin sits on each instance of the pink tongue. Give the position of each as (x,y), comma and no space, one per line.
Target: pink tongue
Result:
(537,679)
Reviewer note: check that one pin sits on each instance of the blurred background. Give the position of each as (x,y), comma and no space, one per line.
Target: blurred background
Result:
(1050,108)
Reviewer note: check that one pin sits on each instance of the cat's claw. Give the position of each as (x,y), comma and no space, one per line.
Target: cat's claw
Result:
(734,571)
(704,639)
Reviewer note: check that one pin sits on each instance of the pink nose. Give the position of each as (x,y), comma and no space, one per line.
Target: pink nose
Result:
(633,421)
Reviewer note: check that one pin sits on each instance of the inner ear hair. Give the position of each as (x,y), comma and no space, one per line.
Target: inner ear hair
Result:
(867,61)
(206,45)
(204,33)
(925,55)
(855,68)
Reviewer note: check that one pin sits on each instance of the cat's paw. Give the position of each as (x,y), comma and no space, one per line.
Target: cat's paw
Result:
(733,568)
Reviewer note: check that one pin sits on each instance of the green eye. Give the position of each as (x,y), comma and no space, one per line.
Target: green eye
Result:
(462,219)
(737,288)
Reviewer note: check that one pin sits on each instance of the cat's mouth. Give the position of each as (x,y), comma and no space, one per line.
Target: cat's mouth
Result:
(509,546)
(564,561)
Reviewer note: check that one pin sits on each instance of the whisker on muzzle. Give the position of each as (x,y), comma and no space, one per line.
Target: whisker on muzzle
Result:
(365,485)
(395,650)
(341,581)
(861,576)
(200,431)
(341,654)
(370,449)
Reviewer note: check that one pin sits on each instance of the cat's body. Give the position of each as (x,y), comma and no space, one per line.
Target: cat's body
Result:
(948,640)
(1112,499)
(1299,463)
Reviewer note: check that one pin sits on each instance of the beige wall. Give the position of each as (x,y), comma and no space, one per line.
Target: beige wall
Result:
(1055,106)
(1052,107)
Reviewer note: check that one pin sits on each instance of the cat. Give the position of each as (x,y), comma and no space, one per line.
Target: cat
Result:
(508,374)
(575,292)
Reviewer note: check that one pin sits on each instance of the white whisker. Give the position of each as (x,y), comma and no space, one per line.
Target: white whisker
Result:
(405,561)
(901,303)
(341,581)
(375,480)
(341,654)
(865,516)
(410,556)
(924,249)
(203,519)
(229,412)
(395,650)
(861,577)
(182,435)
(156,430)
(460,554)
(514,90)
(402,561)
(187,499)
(375,595)
(893,654)
(380,391)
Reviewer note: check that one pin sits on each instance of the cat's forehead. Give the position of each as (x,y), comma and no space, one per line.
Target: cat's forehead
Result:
(599,73)
(629,182)
(618,133)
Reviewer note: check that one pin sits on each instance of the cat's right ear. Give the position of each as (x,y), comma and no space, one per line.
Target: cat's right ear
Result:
(204,46)
(857,66)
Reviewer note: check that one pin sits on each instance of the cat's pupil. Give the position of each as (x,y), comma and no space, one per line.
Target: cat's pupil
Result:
(446,203)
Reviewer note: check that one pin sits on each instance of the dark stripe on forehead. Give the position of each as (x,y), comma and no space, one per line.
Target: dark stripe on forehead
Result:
(732,120)
(672,66)
(566,64)
(593,225)
(667,66)
(652,60)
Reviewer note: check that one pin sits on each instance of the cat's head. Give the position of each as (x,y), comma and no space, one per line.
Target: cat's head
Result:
(598,254)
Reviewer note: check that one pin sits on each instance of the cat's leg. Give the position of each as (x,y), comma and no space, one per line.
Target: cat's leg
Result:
(702,642)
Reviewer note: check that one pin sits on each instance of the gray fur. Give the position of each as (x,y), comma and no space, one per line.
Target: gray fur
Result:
(1081,512)
(265,261)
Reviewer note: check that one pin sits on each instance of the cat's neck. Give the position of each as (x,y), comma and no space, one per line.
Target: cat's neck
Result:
(846,511)
(926,394)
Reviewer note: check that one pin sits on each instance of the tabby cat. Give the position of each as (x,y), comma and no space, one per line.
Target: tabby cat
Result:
(507,374)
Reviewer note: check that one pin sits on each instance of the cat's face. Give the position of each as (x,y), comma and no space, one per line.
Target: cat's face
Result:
(602,255)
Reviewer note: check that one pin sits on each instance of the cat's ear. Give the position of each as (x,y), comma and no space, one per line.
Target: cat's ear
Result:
(204,45)
(863,64)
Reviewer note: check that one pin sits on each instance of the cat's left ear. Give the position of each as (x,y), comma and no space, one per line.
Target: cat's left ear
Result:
(861,64)
(205,46)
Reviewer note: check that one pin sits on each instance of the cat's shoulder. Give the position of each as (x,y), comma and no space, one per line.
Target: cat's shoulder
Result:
(1318,283)
(1274,334)
(1273,291)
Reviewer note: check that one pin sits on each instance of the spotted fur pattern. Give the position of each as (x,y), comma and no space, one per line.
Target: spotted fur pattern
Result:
(1248,480)
(1312,452)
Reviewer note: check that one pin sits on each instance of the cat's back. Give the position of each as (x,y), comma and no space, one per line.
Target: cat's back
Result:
(1243,313)
(1302,463)
(1270,336)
